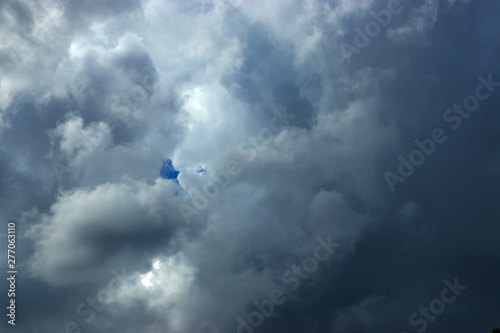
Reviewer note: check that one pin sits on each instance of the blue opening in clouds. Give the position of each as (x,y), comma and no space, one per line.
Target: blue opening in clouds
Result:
(168,171)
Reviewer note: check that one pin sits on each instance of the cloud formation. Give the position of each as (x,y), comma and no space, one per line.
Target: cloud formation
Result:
(116,116)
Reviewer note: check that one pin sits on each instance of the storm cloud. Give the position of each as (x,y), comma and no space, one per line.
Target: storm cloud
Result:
(251,166)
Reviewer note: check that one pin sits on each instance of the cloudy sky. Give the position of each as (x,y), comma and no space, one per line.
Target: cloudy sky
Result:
(251,166)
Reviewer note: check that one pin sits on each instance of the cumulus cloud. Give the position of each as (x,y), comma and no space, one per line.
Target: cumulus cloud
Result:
(271,140)
(89,228)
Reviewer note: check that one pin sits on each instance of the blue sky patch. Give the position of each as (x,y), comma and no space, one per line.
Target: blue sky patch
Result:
(167,170)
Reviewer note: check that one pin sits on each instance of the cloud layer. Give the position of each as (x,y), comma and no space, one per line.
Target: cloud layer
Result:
(282,118)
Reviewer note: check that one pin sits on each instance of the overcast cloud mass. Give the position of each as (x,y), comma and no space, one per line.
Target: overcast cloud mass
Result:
(210,166)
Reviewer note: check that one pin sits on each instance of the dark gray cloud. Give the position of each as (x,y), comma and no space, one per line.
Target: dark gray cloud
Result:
(280,137)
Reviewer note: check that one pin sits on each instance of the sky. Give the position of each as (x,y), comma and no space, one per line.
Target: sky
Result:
(267,166)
